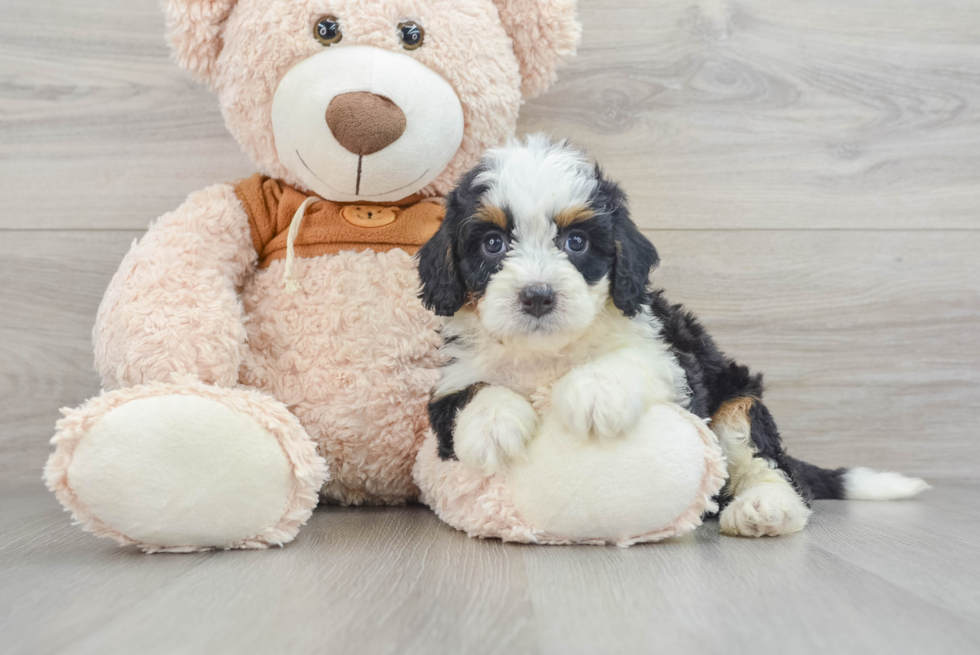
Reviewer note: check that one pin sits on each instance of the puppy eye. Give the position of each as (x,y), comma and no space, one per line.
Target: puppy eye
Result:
(494,244)
(576,243)
(327,30)
(411,34)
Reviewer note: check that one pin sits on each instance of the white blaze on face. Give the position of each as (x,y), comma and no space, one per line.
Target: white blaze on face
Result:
(535,182)
(537,179)
(433,124)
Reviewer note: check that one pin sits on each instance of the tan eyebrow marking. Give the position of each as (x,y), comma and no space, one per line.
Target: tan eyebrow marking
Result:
(572,215)
(492,214)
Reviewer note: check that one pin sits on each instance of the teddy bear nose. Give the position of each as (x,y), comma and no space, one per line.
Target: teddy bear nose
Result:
(364,122)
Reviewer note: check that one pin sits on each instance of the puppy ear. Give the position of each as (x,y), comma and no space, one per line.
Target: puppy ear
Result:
(635,255)
(544,32)
(194,32)
(443,290)
(443,286)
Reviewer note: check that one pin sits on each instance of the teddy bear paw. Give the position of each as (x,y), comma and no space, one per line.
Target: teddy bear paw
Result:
(185,467)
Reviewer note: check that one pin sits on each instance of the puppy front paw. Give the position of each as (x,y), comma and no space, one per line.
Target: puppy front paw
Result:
(766,510)
(493,429)
(591,400)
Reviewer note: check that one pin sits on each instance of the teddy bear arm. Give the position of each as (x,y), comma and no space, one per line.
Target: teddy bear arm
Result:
(173,307)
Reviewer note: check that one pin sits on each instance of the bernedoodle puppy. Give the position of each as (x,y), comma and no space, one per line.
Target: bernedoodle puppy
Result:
(546,280)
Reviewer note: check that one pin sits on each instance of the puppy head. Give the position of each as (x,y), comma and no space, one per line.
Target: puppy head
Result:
(537,242)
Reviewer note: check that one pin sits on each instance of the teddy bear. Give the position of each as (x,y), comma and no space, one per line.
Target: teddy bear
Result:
(263,346)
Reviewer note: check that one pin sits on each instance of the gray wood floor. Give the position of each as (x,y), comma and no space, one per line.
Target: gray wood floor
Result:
(863,578)
(810,172)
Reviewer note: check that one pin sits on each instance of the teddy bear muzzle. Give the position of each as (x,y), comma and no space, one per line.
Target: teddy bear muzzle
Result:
(361,123)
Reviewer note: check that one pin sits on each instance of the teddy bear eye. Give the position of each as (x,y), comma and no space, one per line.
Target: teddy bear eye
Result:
(411,34)
(327,30)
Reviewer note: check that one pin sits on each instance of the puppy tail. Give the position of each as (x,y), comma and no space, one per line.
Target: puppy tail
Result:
(857,483)
(862,483)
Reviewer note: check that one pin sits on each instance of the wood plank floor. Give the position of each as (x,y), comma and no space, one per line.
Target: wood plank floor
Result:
(810,172)
(864,577)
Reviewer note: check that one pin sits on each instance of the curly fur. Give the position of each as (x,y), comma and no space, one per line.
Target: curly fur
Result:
(172,308)
(357,376)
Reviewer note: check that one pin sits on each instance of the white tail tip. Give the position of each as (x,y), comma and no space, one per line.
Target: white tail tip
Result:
(867,484)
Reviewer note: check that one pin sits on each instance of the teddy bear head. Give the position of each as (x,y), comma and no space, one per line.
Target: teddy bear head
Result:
(371,99)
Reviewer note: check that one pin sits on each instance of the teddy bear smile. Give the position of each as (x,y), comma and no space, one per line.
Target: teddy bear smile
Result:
(357,186)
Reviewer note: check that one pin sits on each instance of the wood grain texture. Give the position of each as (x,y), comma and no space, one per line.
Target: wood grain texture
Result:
(51,284)
(810,172)
(865,578)
(761,114)
(714,113)
(100,129)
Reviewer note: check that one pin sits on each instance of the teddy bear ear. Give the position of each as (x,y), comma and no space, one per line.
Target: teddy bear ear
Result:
(193,28)
(544,33)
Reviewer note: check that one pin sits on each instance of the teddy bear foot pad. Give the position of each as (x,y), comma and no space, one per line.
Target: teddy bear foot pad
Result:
(650,484)
(185,467)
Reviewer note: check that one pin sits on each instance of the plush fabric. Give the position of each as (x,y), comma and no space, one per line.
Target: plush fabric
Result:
(544,33)
(193,437)
(492,53)
(635,484)
(123,486)
(347,164)
(353,354)
(651,484)
(364,122)
(205,345)
(331,227)
(194,27)
(172,308)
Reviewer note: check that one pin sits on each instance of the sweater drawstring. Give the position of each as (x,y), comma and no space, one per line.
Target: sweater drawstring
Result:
(292,284)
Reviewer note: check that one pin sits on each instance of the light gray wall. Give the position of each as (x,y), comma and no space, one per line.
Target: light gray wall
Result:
(810,172)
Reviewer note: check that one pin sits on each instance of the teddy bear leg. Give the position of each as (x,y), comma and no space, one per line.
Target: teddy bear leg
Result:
(185,467)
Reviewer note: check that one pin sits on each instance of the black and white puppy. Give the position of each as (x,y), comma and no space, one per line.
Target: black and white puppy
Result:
(546,280)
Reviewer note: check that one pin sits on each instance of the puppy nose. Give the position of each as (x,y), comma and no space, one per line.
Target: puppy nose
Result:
(363,122)
(537,299)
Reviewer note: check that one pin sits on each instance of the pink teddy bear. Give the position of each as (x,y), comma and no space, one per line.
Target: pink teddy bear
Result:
(263,345)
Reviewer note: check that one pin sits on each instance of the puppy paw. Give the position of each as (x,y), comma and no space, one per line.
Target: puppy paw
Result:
(592,400)
(493,429)
(766,510)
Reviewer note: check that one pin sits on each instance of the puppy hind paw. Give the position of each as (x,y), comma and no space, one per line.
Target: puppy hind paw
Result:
(767,510)
(493,429)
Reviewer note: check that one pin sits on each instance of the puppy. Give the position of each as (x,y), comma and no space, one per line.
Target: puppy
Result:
(546,280)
